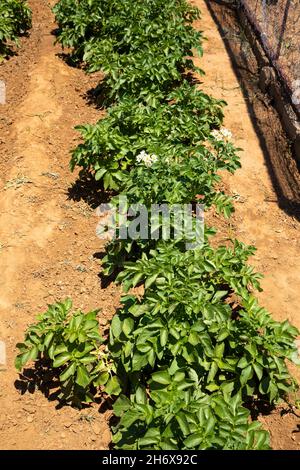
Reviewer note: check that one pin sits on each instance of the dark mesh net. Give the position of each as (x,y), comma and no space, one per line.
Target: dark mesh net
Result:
(278,24)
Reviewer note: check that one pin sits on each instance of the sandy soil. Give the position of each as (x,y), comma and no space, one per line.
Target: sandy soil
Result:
(48,246)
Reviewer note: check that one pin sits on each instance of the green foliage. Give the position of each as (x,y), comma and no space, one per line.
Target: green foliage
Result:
(205,267)
(178,416)
(178,130)
(195,349)
(143,46)
(73,345)
(15,19)
(235,346)
(177,181)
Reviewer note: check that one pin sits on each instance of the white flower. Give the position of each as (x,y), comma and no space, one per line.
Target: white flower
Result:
(226,133)
(222,134)
(216,135)
(141,156)
(147,159)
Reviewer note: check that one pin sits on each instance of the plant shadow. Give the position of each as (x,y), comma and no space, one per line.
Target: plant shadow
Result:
(87,189)
(259,408)
(99,96)
(9,49)
(44,378)
(296,430)
(69,59)
(40,377)
(105,280)
(7,53)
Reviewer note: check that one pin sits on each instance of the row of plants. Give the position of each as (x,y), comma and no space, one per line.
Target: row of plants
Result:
(15,20)
(190,358)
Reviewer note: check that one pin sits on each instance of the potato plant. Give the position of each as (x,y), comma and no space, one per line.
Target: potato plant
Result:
(15,19)
(187,359)
(236,347)
(143,46)
(72,344)
(178,128)
(178,416)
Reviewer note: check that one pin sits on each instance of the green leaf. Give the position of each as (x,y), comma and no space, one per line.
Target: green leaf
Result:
(34,352)
(139,361)
(150,280)
(113,386)
(219,295)
(212,372)
(127,326)
(90,324)
(258,370)
(235,401)
(246,375)
(243,363)
(48,338)
(179,376)
(264,385)
(18,362)
(130,417)
(161,377)
(262,440)
(61,359)
(101,379)
(121,405)
(212,387)
(208,265)
(194,440)
(141,396)
(116,326)
(83,379)
(151,358)
(61,348)
(136,279)
(223,334)
(193,338)
(149,440)
(183,423)
(100,173)
(164,337)
(68,372)
(138,310)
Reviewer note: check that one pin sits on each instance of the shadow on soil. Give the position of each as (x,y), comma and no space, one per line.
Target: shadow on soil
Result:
(105,281)
(87,189)
(99,96)
(278,155)
(259,408)
(40,377)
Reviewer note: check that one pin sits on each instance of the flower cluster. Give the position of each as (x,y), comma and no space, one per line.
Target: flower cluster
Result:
(222,134)
(147,159)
